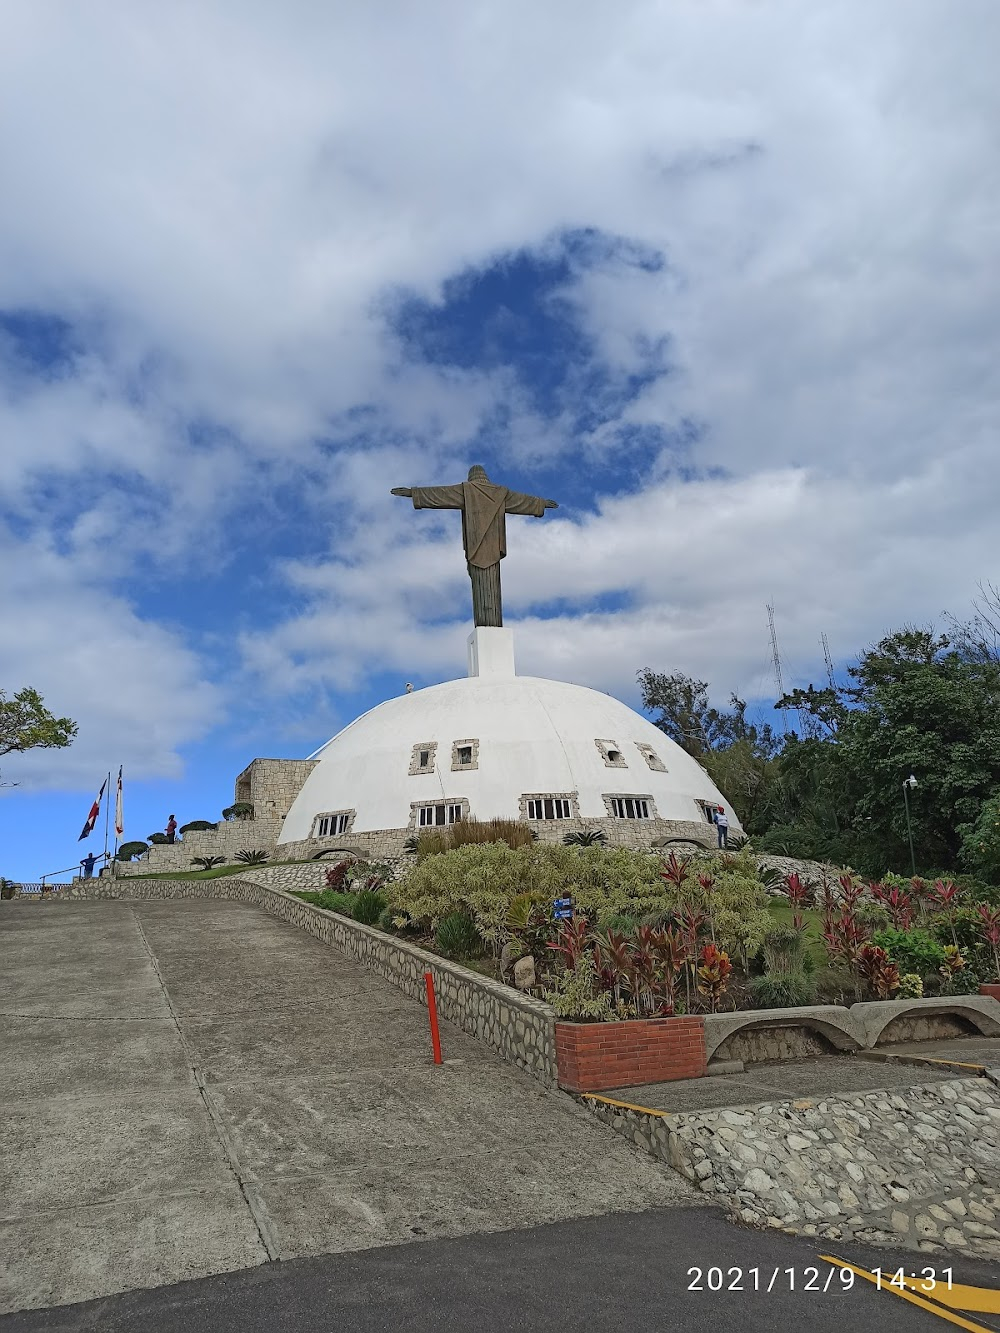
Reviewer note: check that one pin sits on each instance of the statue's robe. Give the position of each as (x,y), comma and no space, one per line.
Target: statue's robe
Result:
(484,507)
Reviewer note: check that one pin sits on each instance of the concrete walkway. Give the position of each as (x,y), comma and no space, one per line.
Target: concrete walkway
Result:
(194,1087)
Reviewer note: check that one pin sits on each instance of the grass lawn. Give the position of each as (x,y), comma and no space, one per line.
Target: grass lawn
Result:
(781,910)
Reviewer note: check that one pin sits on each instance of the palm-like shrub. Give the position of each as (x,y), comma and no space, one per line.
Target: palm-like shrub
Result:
(457,936)
(588,837)
(368,908)
(253,858)
(208,862)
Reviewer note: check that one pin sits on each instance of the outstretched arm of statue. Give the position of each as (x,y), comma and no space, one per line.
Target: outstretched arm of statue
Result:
(436,497)
(534,505)
(401,490)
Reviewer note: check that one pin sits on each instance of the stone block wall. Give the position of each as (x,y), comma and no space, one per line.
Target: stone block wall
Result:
(592,1056)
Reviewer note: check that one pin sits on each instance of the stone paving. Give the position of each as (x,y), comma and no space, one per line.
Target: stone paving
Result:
(192,1087)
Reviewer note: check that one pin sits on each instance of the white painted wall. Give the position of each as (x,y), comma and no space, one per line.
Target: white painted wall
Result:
(534,736)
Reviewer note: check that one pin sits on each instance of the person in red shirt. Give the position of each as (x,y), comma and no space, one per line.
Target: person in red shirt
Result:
(171,828)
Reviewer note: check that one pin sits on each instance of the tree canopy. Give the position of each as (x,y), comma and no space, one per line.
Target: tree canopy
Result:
(917,702)
(26,724)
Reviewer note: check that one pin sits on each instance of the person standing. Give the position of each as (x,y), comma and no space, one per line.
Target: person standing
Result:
(172,828)
(722,826)
(88,863)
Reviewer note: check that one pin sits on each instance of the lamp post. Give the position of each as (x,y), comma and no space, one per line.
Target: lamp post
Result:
(911,781)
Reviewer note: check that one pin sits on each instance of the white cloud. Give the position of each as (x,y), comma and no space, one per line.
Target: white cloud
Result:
(226,197)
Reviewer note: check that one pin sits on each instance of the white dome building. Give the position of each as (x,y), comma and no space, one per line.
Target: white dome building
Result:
(562,757)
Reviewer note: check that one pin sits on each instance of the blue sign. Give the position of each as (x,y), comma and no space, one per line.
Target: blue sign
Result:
(563,909)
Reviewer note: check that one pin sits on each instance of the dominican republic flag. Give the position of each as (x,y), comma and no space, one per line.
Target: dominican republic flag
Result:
(119,813)
(95,810)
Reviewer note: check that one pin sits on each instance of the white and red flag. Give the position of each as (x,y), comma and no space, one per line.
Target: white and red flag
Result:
(119,811)
(95,810)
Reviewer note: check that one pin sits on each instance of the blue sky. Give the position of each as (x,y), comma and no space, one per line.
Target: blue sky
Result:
(718,278)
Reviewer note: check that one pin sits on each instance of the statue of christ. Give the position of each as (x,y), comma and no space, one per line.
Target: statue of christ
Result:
(484,507)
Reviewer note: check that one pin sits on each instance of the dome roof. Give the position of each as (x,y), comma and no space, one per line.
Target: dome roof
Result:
(492,742)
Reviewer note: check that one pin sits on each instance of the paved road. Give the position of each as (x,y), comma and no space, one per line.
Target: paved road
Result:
(620,1272)
(194,1087)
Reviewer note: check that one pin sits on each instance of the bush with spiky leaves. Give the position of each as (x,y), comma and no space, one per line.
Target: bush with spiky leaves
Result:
(368,908)
(252,858)
(208,862)
(588,837)
(457,937)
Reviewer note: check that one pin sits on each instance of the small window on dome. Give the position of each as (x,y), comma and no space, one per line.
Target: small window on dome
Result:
(652,759)
(549,805)
(465,755)
(436,814)
(630,807)
(611,753)
(333,824)
(422,758)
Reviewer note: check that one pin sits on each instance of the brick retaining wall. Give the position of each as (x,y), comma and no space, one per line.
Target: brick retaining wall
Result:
(595,1056)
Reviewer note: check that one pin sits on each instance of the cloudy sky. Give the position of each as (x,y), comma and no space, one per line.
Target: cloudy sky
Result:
(720,276)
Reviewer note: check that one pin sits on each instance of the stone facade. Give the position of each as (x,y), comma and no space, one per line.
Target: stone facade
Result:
(639,834)
(917,1169)
(270,785)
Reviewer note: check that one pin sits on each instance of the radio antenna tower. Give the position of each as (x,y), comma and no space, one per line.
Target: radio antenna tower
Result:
(776,660)
(828,660)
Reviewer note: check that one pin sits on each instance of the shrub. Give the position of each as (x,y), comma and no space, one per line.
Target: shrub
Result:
(457,936)
(577,993)
(208,862)
(783,949)
(964,929)
(485,879)
(836,985)
(368,907)
(241,810)
(328,900)
(911,987)
(913,951)
(253,858)
(129,849)
(782,990)
(157,838)
(195,826)
(590,837)
(336,876)
(370,875)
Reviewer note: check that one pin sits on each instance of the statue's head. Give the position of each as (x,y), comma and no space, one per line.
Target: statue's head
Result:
(478,473)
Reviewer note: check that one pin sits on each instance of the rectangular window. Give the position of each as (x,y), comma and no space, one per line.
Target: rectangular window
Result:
(332,825)
(425,758)
(549,807)
(430,816)
(629,807)
(464,754)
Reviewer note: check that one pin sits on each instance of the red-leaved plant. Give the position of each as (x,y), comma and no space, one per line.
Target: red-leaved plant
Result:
(336,876)
(713,973)
(798,891)
(990,918)
(879,970)
(898,902)
(944,898)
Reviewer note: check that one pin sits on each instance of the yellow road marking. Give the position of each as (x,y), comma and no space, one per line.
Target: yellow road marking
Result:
(933,1305)
(610,1101)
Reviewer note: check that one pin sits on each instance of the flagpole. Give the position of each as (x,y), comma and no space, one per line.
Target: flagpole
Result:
(107,811)
(114,863)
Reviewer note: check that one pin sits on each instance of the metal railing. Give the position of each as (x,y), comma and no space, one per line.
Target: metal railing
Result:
(76,871)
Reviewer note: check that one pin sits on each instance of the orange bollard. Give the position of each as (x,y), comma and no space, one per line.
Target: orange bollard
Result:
(433,1014)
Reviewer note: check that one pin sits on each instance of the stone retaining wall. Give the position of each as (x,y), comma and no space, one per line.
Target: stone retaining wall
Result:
(517,1027)
(918,1167)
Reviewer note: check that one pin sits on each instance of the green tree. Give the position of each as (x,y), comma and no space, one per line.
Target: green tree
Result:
(26,724)
(980,849)
(915,704)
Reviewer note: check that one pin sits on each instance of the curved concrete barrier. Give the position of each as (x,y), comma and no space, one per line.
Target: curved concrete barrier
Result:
(874,1016)
(831,1021)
